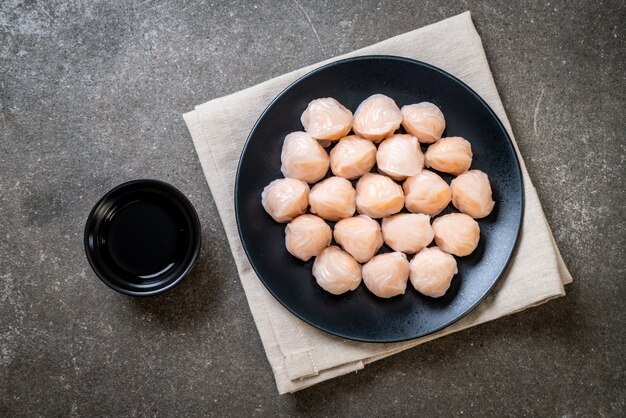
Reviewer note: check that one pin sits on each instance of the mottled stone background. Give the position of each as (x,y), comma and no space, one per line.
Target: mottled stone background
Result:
(91,95)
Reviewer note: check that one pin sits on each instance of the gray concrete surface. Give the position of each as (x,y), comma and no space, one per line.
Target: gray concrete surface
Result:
(92,94)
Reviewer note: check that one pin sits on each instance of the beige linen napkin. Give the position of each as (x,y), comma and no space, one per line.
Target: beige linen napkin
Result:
(299,354)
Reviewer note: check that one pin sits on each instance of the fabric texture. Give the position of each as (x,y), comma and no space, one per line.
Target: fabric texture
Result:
(300,355)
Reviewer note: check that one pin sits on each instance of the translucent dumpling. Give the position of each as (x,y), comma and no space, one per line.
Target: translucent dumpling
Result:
(400,156)
(432,271)
(456,233)
(326,119)
(378,196)
(386,275)
(306,236)
(333,199)
(360,236)
(424,121)
(426,193)
(352,157)
(336,271)
(407,232)
(377,117)
(303,158)
(284,199)
(471,194)
(450,155)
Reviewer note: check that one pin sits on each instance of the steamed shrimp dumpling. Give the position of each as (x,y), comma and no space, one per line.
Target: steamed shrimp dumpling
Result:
(432,271)
(360,236)
(306,236)
(426,193)
(377,117)
(407,232)
(450,155)
(400,156)
(336,271)
(352,157)
(424,121)
(285,199)
(326,119)
(456,233)
(471,194)
(333,199)
(378,196)
(386,275)
(303,158)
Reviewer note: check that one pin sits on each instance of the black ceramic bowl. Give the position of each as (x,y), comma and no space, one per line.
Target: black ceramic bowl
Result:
(143,237)
(360,315)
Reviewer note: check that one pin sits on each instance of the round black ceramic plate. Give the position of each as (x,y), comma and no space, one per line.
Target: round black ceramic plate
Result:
(359,315)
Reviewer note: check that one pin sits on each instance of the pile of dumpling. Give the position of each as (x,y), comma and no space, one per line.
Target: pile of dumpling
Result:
(368,215)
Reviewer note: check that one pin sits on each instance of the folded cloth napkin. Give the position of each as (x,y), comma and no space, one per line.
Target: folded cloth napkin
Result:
(299,354)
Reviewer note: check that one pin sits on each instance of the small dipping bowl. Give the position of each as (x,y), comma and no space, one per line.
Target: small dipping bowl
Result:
(143,237)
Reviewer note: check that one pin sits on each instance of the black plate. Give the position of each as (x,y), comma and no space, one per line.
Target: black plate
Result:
(359,315)
(142,237)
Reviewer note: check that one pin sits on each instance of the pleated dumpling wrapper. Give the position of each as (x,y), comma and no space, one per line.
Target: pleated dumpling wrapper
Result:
(306,236)
(285,199)
(352,157)
(471,194)
(360,236)
(303,158)
(400,156)
(456,233)
(407,232)
(333,199)
(378,196)
(376,118)
(424,121)
(427,193)
(386,275)
(326,119)
(450,155)
(336,271)
(432,271)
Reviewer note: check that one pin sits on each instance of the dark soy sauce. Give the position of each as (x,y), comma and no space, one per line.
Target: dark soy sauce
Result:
(145,238)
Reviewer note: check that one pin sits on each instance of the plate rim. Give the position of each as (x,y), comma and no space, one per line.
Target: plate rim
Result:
(509,142)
